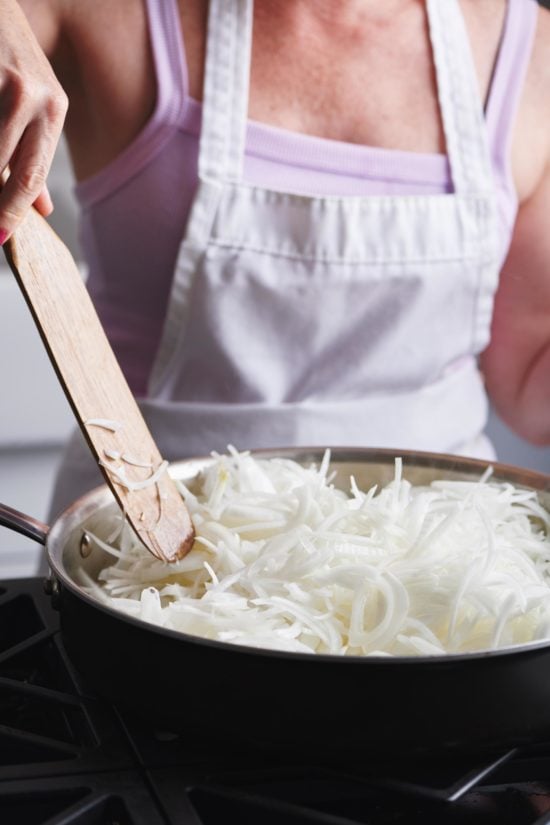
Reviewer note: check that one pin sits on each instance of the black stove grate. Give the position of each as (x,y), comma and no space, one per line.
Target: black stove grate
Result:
(48,724)
(68,758)
(118,798)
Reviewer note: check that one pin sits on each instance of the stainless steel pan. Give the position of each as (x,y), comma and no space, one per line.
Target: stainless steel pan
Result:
(312,705)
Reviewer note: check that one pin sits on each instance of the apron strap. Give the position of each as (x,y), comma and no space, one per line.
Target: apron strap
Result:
(226,85)
(459,99)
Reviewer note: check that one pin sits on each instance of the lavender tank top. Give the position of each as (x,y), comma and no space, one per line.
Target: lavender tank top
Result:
(134,211)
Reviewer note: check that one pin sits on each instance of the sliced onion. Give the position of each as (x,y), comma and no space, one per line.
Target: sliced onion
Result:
(284,560)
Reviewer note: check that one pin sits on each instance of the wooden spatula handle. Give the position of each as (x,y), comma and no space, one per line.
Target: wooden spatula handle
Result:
(96,388)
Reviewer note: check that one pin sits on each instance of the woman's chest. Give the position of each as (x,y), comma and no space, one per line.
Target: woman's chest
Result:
(369,80)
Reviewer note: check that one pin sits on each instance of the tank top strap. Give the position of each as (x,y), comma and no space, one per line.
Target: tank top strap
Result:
(226,86)
(168,58)
(461,106)
(508,79)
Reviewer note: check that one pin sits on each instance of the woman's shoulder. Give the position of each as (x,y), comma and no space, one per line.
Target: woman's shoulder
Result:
(102,56)
(528,36)
(540,63)
(72,26)
(532,140)
(107,22)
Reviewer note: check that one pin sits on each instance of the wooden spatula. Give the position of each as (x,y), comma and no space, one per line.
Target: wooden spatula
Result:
(97,390)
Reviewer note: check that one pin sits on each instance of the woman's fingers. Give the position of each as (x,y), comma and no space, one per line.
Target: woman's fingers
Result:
(28,169)
(32,111)
(43,203)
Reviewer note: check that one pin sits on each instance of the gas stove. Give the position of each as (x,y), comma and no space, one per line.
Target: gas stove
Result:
(66,756)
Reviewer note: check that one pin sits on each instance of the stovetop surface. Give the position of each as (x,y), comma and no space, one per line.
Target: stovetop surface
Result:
(66,757)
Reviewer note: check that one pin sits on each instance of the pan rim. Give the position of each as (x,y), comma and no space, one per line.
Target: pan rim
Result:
(530,478)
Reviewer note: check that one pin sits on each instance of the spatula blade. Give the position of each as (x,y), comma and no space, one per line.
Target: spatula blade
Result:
(97,390)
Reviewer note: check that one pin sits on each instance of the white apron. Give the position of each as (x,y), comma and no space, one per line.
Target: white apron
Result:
(341,321)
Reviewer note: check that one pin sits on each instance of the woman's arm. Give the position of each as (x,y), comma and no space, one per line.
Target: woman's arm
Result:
(103,61)
(32,111)
(517,362)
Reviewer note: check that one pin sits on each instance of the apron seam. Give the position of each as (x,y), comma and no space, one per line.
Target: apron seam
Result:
(318,258)
(366,202)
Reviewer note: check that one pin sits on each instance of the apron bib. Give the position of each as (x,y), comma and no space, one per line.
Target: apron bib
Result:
(313,321)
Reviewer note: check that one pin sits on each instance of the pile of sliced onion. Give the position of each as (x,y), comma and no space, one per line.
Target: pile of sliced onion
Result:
(286,561)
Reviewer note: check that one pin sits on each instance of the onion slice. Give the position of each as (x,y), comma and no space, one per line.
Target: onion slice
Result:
(285,560)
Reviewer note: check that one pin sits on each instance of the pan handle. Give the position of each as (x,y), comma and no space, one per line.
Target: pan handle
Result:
(21,523)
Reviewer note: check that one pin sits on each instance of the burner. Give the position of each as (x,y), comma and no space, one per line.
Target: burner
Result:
(68,757)
(98,799)
(332,800)
(47,723)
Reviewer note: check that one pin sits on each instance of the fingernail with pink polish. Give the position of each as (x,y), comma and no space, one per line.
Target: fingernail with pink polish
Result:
(3,236)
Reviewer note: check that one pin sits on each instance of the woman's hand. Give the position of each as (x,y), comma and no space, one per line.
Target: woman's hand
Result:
(32,110)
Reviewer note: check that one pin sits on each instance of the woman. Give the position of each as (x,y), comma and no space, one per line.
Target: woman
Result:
(327,272)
